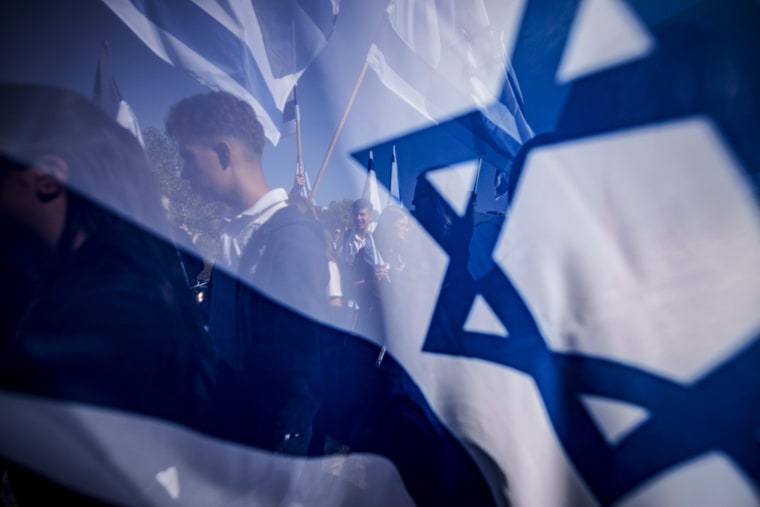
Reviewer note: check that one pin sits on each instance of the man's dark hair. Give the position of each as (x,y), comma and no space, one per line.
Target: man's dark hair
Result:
(360,204)
(210,116)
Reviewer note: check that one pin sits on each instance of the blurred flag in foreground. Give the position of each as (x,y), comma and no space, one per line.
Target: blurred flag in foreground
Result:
(592,360)
(106,94)
(254,49)
(298,188)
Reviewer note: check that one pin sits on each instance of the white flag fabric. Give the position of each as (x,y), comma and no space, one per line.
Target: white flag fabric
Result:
(152,462)
(394,196)
(623,297)
(127,119)
(445,58)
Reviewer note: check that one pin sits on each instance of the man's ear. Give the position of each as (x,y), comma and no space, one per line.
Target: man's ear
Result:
(51,175)
(222,150)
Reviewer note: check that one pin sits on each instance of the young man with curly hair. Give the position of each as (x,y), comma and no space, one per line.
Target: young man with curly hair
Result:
(271,271)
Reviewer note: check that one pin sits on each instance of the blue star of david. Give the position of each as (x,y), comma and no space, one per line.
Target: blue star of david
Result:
(685,421)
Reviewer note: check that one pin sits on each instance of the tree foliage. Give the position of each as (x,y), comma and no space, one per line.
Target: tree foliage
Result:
(187,210)
(338,212)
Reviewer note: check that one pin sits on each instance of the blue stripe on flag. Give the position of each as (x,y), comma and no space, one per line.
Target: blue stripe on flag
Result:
(294,32)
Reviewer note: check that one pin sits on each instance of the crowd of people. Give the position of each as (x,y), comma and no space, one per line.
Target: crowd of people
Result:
(102,313)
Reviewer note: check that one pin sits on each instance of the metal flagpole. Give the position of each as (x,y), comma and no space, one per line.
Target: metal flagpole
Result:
(299,161)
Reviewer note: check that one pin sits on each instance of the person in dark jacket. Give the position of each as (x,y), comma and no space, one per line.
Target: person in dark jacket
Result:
(106,320)
(270,276)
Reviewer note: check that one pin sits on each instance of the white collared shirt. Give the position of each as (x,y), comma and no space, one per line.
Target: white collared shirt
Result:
(237,230)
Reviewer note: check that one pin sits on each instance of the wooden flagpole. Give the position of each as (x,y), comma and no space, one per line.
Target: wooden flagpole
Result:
(339,128)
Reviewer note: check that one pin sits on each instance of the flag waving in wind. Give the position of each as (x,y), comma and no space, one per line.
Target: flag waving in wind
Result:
(255,50)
